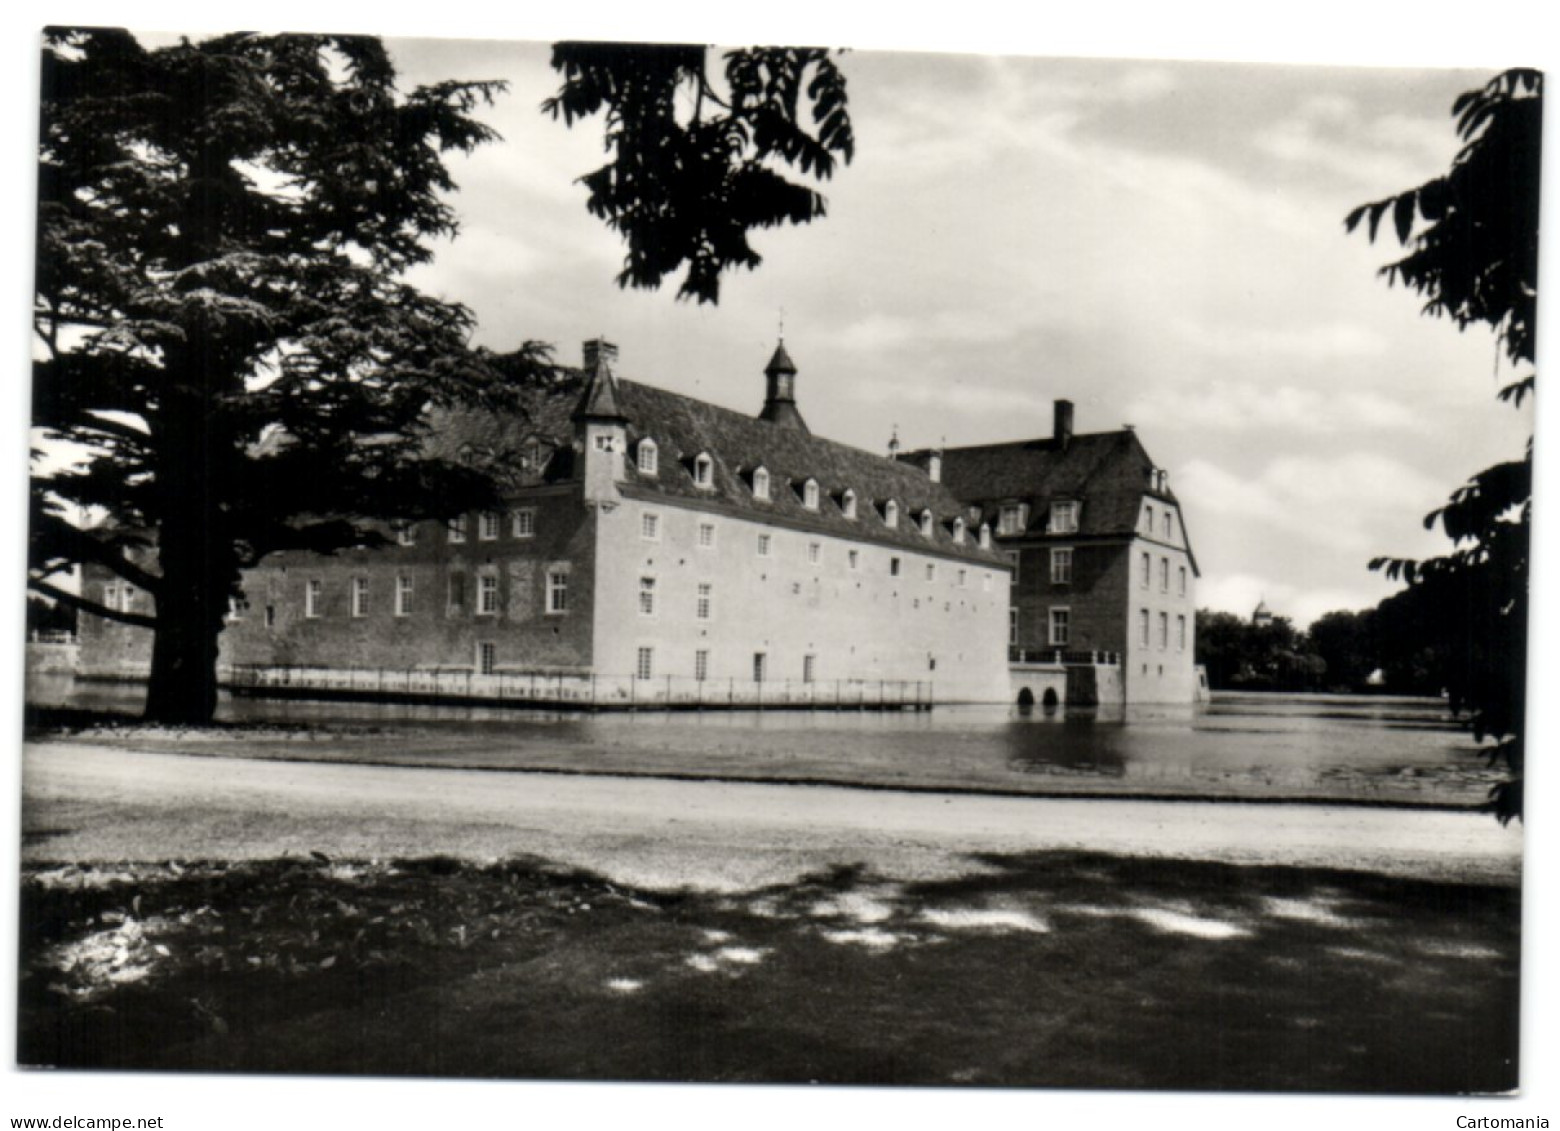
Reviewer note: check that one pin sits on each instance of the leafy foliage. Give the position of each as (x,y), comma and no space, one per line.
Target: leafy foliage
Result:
(1240,655)
(1472,240)
(222,327)
(691,168)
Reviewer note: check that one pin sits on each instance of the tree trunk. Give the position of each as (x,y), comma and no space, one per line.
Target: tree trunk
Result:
(196,558)
(182,689)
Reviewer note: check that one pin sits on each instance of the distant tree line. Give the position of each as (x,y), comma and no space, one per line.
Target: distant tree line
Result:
(1394,648)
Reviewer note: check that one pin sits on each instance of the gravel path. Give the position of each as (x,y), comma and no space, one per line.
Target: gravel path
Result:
(86,803)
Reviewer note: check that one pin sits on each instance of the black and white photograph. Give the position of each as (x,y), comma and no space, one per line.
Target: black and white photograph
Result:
(668,565)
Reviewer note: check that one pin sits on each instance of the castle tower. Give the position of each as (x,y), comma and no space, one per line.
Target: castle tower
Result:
(600,427)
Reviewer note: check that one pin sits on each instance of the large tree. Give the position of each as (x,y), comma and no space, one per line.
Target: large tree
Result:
(1472,251)
(223,333)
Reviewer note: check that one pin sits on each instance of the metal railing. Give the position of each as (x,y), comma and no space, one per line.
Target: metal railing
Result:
(1062,656)
(585,690)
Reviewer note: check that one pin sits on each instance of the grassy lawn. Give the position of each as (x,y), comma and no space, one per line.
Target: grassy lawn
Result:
(1055,969)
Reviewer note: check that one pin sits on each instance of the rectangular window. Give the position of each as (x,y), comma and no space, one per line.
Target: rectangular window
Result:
(406,533)
(760,663)
(523,523)
(1010,520)
(1164,631)
(814,553)
(809,668)
(1061,627)
(985,582)
(1149,514)
(458,528)
(853,559)
(647,596)
(1145,571)
(1061,566)
(403,596)
(1181,581)
(1013,556)
(557,591)
(1013,628)
(1169,526)
(487,594)
(1143,627)
(1180,634)
(1064,518)
(238,608)
(964,578)
(644,665)
(126,598)
(931,571)
(1164,575)
(706,534)
(270,616)
(487,526)
(764,543)
(893,567)
(312,592)
(111,596)
(701,665)
(457,601)
(650,526)
(360,596)
(487,657)
(705,600)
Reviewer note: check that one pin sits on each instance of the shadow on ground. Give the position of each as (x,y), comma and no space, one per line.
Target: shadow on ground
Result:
(1049,969)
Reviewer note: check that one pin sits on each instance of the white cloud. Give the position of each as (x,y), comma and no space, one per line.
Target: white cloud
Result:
(1230,406)
(1339,504)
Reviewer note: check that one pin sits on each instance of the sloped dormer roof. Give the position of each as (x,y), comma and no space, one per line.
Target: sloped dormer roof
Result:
(739,443)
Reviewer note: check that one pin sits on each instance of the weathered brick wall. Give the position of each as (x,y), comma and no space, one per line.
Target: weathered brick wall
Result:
(434,633)
(1093,598)
(437,630)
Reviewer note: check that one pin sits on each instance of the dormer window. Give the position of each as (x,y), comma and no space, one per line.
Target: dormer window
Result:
(848,503)
(760,484)
(649,457)
(810,494)
(985,536)
(1064,517)
(891,513)
(926,524)
(958,532)
(1012,518)
(703,471)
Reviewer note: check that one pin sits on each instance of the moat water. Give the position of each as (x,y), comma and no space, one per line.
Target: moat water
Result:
(1393,750)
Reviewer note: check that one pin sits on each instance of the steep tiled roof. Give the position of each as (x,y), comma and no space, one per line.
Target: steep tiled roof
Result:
(1108,472)
(737,444)
(683,427)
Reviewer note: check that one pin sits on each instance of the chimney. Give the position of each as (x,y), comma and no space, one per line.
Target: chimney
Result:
(1062,423)
(598,350)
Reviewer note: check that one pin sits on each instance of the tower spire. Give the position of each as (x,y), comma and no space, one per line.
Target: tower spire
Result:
(780,392)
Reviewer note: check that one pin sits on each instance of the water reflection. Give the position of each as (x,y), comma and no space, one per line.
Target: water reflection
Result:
(1244,744)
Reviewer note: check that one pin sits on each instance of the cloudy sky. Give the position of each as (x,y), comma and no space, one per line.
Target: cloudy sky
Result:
(1162,243)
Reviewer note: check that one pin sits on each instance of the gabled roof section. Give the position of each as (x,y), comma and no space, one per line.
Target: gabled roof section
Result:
(1108,472)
